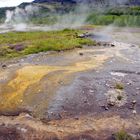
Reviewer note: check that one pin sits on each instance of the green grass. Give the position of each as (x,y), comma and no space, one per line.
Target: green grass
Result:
(119,86)
(122,20)
(122,135)
(14,44)
(119,16)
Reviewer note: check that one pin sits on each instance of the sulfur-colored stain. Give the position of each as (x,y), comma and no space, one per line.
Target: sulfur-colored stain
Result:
(32,74)
(25,77)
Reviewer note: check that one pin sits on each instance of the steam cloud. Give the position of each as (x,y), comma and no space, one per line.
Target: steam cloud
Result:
(19,18)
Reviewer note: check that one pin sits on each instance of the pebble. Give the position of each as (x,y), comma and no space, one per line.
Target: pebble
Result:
(4,66)
(133,45)
(2,124)
(22,129)
(131,107)
(112,45)
(85,101)
(81,53)
(91,91)
(105,107)
(129,83)
(28,116)
(59,116)
(134,102)
(134,112)
(76,118)
(22,60)
(111,103)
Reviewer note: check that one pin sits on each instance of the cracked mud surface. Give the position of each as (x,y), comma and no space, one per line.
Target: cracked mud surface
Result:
(75,96)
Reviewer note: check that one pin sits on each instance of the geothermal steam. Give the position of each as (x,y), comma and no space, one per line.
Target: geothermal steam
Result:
(19,18)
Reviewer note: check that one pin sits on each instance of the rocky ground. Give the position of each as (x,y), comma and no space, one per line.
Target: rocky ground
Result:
(87,93)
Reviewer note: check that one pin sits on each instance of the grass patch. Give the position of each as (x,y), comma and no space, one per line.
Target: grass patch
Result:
(15,44)
(119,86)
(122,16)
(122,135)
(118,20)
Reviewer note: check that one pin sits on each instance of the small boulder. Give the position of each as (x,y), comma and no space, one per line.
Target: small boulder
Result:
(81,54)
(134,102)
(105,107)
(134,112)
(4,66)
(111,103)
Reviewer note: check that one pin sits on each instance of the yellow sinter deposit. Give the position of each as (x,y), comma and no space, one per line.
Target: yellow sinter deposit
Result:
(29,75)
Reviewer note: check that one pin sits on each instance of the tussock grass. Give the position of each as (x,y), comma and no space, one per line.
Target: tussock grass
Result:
(122,135)
(119,86)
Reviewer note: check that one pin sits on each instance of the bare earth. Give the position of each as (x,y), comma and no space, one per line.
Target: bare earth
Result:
(74,95)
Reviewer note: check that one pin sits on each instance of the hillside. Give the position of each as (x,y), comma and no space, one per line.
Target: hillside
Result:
(52,12)
(102,2)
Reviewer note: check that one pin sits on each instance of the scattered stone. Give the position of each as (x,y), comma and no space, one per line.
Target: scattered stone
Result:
(61,82)
(91,91)
(111,103)
(62,107)
(17,47)
(134,102)
(98,43)
(76,118)
(133,45)
(85,101)
(23,130)
(21,101)
(59,116)
(105,107)
(81,53)
(131,107)
(51,113)
(112,45)
(81,35)
(4,66)
(28,116)
(129,83)
(2,124)
(22,60)
(134,112)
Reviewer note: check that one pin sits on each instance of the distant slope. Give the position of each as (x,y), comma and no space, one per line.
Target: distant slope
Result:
(50,1)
